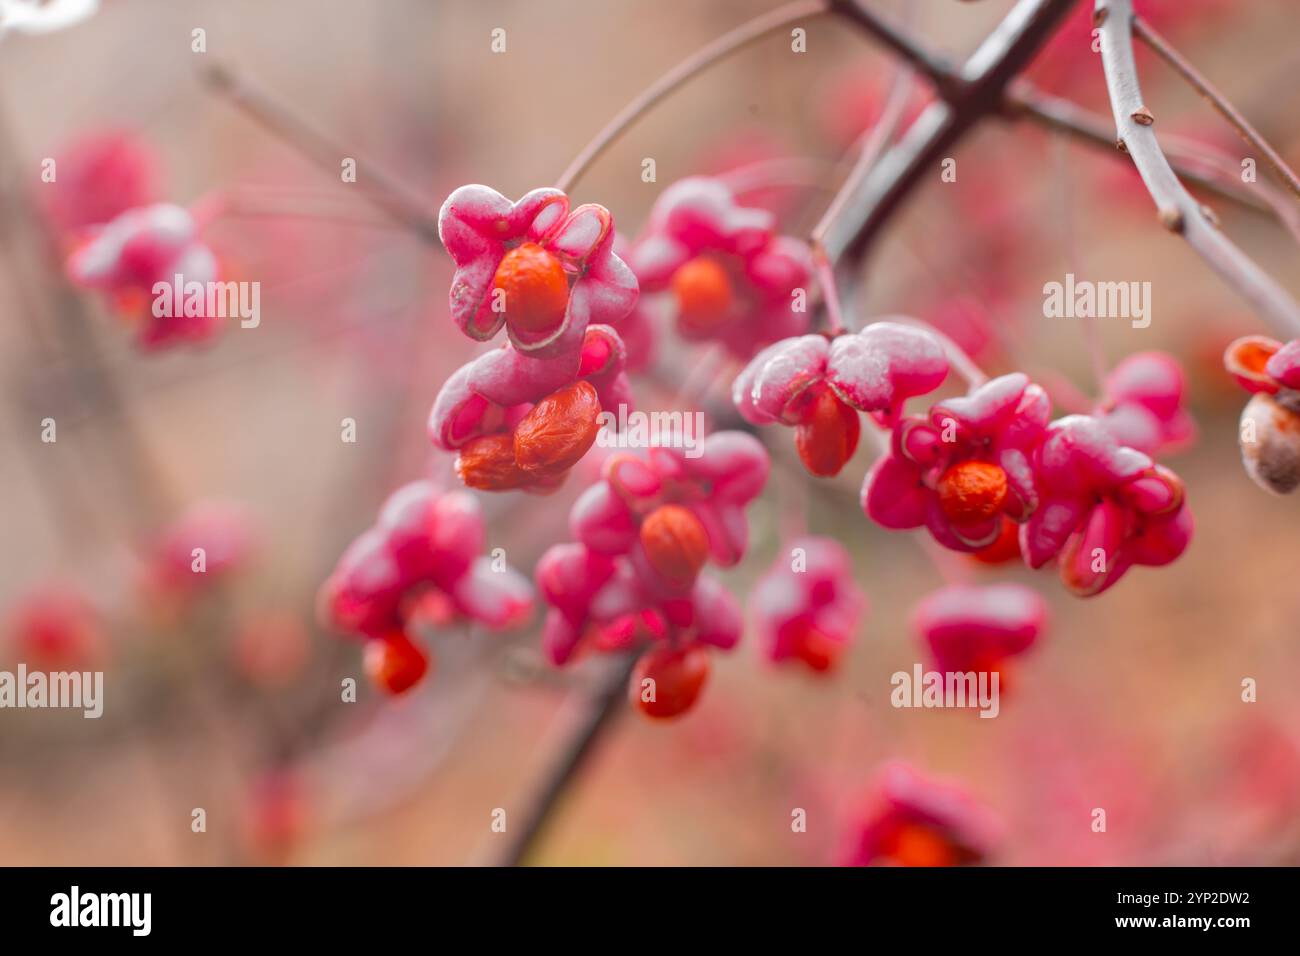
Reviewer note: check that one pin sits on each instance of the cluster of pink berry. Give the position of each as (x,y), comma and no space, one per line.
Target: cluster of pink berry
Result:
(123,240)
(421,565)
(980,462)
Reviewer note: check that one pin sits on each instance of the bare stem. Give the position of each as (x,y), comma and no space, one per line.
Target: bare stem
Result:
(703,58)
(1148,35)
(1024,101)
(1177,208)
(388,192)
(575,740)
(976,92)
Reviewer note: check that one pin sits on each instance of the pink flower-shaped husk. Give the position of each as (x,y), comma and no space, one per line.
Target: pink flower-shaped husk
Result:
(808,592)
(142,247)
(717,486)
(904,797)
(974,628)
(1104,508)
(696,215)
(479,396)
(699,216)
(590,594)
(1000,422)
(424,539)
(478,226)
(1143,406)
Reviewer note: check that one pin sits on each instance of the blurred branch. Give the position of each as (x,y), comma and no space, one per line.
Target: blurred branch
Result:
(1147,34)
(969,96)
(576,739)
(390,194)
(723,46)
(1024,101)
(1179,211)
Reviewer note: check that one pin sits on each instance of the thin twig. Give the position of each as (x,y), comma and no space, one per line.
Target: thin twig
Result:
(703,58)
(1148,35)
(401,202)
(1024,101)
(1178,210)
(576,742)
(984,79)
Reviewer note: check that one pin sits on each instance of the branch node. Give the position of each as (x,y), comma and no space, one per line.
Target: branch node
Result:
(1142,116)
(1171,217)
(1099,15)
(1211,216)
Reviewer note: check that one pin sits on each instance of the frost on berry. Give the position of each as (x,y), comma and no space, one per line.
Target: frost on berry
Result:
(522,422)
(808,611)
(968,628)
(818,386)
(534,266)
(1142,404)
(963,469)
(727,274)
(1104,508)
(912,820)
(420,562)
(140,247)
(605,603)
(714,489)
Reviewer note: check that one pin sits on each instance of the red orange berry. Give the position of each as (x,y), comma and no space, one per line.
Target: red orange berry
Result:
(704,294)
(828,435)
(394,663)
(972,491)
(536,288)
(675,543)
(667,681)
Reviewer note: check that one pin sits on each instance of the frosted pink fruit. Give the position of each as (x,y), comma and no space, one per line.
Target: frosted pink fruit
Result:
(534,266)
(912,820)
(425,552)
(1142,404)
(598,601)
(640,496)
(1104,508)
(100,176)
(874,370)
(807,606)
(732,278)
(978,628)
(958,471)
(139,248)
(499,387)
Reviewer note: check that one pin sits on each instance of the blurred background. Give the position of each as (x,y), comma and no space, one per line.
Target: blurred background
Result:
(226,697)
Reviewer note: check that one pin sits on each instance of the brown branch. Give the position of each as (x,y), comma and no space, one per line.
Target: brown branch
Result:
(1024,101)
(1147,34)
(389,193)
(1178,210)
(978,93)
(568,757)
